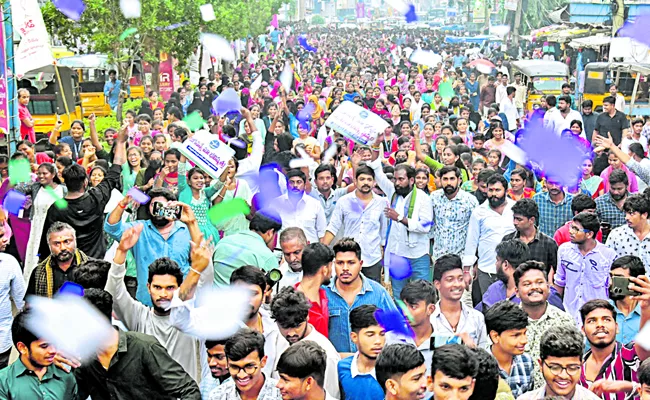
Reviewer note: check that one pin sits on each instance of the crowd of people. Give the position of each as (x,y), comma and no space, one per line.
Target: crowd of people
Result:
(510,283)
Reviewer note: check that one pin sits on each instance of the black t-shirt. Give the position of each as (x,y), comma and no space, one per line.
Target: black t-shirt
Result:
(86,215)
(614,125)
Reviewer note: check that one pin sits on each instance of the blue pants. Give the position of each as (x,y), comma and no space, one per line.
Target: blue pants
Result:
(421,269)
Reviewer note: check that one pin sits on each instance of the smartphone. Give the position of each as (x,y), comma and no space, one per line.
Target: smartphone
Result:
(171,212)
(438,340)
(620,286)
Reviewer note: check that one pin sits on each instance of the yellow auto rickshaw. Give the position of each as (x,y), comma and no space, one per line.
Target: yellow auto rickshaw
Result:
(599,76)
(54,95)
(542,78)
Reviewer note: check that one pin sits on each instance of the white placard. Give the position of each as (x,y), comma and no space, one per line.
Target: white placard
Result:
(356,123)
(207,152)
(34,49)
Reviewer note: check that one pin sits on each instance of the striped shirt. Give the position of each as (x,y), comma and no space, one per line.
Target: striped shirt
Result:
(622,365)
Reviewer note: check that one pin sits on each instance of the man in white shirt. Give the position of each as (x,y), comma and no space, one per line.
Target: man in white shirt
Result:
(290,310)
(501,92)
(292,242)
(562,118)
(489,223)
(509,108)
(620,100)
(360,215)
(410,216)
(297,208)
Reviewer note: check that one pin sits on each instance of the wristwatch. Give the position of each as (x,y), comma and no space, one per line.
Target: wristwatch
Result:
(400,217)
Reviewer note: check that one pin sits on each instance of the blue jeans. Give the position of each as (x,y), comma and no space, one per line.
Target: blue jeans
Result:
(421,269)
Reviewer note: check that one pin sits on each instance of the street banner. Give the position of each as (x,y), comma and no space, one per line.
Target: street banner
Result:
(34,49)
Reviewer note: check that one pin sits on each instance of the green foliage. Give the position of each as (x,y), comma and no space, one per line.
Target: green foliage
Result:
(131,105)
(103,123)
(318,20)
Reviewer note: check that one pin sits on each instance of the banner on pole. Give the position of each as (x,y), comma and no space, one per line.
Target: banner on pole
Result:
(34,49)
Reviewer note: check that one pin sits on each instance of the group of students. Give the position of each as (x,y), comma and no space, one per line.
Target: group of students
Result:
(498,273)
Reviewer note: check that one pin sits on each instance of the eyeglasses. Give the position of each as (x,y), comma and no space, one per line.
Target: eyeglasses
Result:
(574,228)
(249,369)
(557,369)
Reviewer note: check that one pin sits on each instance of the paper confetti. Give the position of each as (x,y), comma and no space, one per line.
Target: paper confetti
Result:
(227,210)
(59,202)
(305,45)
(138,195)
(394,321)
(127,33)
(221,311)
(19,171)
(14,202)
(207,12)
(286,77)
(406,9)
(172,26)
(228,101)
(637,30)
(70,8)
(256,85)
(70,323)
(425,57)
(131,8)
(304,115)
(330,153)
(217,46)
(194,121)
(71,288)
(400,267)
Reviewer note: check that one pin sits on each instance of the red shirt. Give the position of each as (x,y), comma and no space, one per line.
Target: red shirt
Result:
(319,313)
(562,234)
(25,131)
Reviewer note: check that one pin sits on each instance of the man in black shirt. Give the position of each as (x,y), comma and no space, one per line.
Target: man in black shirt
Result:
(611,121)
(85,209)
(131,366)
(589,118)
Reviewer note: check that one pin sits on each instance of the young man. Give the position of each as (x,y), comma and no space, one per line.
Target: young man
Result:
(637,137)
(560,360)
(489,223)
(611,121)
(506,324)
(137,361)
(633,237)
(540,246)
(349,290)
(249,247)
(610,205)
(420,297)
(583,265)
(453,373)
(33,375)
(362,213)
(401,372)
(627,308)
(451,316)
(324,179)
(510,253)
(531,279)
(316,272)
(580,202)
(609,367)
(218,364)
(297,208)
(302,373)
(643,375)
(246,361)
(554,207)
(290,310)
(165,277)
(357,375)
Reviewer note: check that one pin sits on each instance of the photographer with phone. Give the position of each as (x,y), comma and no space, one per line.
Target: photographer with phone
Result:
(628,310)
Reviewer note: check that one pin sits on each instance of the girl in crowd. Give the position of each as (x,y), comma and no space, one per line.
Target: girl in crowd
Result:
(518,189)
(441,143)
(233,188)
(592,184)
(615,163)
(77,131)
(96,175)
(135,162)
(193,191)
(61,163)
(168,175)
(478,165)
(44,192)
(146,144)
(450,157)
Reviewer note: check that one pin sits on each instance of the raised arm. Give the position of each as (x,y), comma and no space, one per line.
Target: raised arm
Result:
(93,133)
(54,136)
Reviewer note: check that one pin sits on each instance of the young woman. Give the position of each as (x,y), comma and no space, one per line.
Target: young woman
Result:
(422,179)
(154,103)
(478,165)
(615,163)
(160,143)
(462,130)
(135,162)
(441,143)
(494,159)
(518,189)
(193,191)
(450,157)
(43,193)
(168,176)
(146,144)
(233,188)
(96,175)
(77,131)
(61,163)
(427,135)
(593,184)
